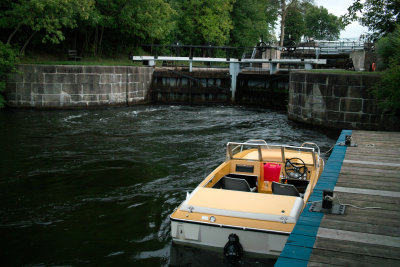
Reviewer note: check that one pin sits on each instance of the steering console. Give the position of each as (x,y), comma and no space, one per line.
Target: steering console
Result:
(295,168)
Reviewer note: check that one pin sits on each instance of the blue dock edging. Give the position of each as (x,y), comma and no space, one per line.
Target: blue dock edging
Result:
(299,246)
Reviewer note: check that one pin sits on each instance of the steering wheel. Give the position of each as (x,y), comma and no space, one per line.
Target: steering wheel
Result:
(295,168)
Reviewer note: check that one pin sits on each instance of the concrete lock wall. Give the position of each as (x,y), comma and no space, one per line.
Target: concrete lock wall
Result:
(59,86)
(336,100)
(202,86)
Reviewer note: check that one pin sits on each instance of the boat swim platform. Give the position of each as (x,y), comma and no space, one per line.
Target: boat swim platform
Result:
(364,176)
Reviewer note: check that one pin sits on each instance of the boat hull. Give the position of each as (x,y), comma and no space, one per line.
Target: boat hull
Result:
(211,235)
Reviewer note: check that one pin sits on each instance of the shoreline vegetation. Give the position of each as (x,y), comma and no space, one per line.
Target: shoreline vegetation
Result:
(43,31)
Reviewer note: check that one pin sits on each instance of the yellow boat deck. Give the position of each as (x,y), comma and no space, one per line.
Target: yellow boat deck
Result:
(261,209)
(243,204)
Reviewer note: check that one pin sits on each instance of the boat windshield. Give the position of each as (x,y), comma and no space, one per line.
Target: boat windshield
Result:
(248,151)
(257,151)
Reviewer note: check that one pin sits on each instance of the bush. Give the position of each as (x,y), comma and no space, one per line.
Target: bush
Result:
(8,59)
(388,49)
(387,91)
(384,50)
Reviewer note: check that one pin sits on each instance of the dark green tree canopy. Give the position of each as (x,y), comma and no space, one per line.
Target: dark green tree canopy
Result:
(253,20)
(295,26)
(45,17)
(388,90)
(108,27)
(321,25)
(306,19)
(204,21)
(380,16)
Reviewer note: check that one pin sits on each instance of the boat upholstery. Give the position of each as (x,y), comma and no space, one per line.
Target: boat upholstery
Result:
(237,184)
(284,189)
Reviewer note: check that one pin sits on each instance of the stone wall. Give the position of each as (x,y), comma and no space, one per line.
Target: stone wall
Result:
(60,86)
(336,100)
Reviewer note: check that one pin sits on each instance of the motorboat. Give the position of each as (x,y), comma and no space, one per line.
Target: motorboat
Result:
(252,201)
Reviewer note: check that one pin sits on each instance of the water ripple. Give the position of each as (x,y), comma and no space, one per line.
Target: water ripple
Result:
(98,186)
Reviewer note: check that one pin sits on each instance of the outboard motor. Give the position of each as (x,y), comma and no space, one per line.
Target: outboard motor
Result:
(233,250)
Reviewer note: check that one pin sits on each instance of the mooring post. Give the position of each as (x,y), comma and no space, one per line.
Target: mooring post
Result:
(234,70)
(190,65)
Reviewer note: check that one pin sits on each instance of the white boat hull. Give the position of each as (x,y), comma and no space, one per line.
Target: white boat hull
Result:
(253,241)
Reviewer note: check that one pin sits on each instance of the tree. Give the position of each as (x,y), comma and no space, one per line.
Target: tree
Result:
(285,5)
(252,21)
(204,21)
(387,91)
(8,59)
(380,16)
(306,19)
(322,25)
(295,26)
(48,17)
(146,19)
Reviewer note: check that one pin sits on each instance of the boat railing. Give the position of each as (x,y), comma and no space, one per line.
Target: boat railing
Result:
(316,162)
(233,146)
(312,144)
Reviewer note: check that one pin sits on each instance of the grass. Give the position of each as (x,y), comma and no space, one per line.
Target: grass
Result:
(91,61)
(97,61)
(336,71)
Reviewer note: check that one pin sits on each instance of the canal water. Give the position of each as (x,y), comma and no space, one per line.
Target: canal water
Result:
(96,187)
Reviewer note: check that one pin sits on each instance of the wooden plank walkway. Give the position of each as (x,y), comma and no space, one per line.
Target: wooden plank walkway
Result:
(367,176)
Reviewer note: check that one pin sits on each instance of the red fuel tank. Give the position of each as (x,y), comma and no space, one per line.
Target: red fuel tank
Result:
(272,172)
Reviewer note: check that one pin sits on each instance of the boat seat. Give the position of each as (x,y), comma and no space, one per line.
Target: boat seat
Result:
(237,184)
(284,189)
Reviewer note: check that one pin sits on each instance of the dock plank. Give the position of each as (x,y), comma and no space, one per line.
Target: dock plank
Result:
(376,174)
(372,158)
(378,251)
(367,175)
(379,229)
(346,197)
(349,258)
(372,165)
(387,186)
(365,219)
(319,264)
(368,178)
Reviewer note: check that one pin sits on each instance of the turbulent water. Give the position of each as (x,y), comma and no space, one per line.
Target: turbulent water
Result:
(96,187)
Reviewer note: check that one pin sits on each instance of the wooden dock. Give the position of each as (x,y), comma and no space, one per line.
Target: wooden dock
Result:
(366,177)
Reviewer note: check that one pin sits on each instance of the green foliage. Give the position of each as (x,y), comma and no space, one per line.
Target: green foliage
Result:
(304,18)
(146,19)
(388,90)
(388,49)
(384,50)
(110,27)
(322,25)
(48,16)
(380,16)
(8,59)
(251,21)
(204,21)
(295,26)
